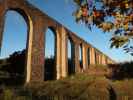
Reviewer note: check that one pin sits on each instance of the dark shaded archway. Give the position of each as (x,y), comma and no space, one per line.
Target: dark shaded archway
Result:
(50,55)
(14,44)
(88,56)
(81,56)
(71,57)
(96,57)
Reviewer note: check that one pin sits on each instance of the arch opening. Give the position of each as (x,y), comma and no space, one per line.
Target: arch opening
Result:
(71,57)
(88,56)
(13,50)
(50,55)
(80,56)
(96,57)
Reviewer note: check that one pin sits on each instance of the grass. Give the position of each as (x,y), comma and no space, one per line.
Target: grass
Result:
(83,87)
(92,85)
(123,88)
(78,87)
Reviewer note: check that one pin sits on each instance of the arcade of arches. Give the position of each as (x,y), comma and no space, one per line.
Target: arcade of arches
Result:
(82,53)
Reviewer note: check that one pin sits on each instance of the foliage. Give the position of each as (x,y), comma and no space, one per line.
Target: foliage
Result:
(13,93)
(122,70)
(17,60)
(50,71)
(114,16)
(15,63)
(13,68)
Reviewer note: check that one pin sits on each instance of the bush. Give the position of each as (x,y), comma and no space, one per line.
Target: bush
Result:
(122,70)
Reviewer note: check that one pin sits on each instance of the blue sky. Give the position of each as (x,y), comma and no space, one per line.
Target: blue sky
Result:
(61,10)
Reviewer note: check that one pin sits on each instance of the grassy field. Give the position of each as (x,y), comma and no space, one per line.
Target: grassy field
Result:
(78,87)
(96,83)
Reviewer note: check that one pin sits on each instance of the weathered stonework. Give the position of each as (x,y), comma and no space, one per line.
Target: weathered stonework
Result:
(38,23)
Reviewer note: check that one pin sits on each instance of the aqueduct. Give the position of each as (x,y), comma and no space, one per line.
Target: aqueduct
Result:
(37,23)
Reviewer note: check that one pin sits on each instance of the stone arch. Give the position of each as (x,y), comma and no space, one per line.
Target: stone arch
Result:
(71,61)
(29,23)
(50,70)
(11,30)
(22,13)
(10,50)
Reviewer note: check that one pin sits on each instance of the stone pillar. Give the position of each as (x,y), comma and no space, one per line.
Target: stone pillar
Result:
(101,55)
(109,61)
(97,57)
(76,58)
(64,60)
(35,50)
(92,56)
(84,54)
(103,60)
(112,62)
(100,61)
(2,19)
(106,60)
(58,53)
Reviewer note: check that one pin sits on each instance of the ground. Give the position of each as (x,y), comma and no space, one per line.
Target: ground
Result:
(77,87)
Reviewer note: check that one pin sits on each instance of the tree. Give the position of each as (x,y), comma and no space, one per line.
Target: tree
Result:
(15,64)
(114,16)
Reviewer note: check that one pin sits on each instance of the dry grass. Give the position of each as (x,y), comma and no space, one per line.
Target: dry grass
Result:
(92,86)
(79,87)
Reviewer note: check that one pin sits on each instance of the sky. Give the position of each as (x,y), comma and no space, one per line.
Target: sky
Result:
(15,30)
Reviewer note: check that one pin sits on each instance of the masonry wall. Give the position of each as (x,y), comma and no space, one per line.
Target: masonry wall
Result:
(38,23)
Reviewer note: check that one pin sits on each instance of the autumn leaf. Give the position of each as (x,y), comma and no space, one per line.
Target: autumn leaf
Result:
(119,12)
